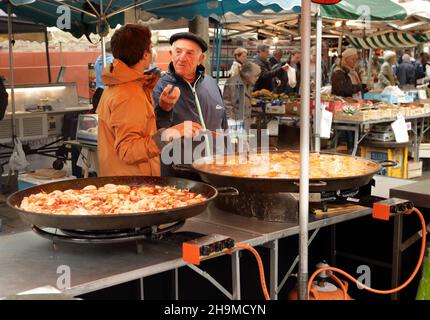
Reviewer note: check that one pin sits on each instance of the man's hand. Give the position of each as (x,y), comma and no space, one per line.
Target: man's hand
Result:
(169,97)
(186,129)
(285,67)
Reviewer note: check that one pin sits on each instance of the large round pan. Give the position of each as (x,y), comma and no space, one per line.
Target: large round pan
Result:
(117,221)
(270,185)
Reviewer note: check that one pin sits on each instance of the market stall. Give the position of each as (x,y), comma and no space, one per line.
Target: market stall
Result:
(299,174)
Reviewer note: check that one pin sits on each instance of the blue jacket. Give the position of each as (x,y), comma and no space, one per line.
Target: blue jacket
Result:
(406,74)
(208,93)
(185,109)
(98,68)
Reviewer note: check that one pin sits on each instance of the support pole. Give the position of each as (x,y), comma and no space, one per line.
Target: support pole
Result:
(369,69)
(305,30)
(48,61)
(339,45)
(218,54)
(318,111)
(214,44)
(102,38)
(11,71)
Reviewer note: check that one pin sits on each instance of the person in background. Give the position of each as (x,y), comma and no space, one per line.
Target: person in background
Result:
(374,70)
(267,75)
(4,98)
(336,63)
(237,93)
(128,141)
(240,57)
(386,75)
(362,69)
(422,67)
(294,62)
(345,80)
(98,68)
(406,71)
(185,93)
(276,57)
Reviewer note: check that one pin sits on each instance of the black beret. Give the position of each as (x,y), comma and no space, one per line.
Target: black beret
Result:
(190,36)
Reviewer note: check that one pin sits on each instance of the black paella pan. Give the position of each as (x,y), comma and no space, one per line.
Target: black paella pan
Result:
(271,185)
(115,221)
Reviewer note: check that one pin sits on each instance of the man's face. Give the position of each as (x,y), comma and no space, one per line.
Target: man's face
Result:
(263,54)
(295,58)
(278,55)
(186,56)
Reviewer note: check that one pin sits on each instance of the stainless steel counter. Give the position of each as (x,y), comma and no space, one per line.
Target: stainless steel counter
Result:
(28,261)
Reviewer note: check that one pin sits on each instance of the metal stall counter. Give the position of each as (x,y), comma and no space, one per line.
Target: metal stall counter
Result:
(96,266)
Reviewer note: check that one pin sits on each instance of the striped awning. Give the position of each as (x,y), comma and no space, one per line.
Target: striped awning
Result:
(389,41)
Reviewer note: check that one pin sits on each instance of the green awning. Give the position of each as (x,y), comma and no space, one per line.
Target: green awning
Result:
(389,41)
(374,10)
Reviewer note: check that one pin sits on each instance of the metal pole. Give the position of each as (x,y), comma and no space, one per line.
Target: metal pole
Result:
(102,38)
(235,269)
(318,111)
(61,54)
(48,62)
(305,30)
(339,45)
(369,69)
(214,45)
(218,58)
(11,71)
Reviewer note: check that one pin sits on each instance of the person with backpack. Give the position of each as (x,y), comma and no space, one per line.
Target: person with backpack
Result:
(98,68)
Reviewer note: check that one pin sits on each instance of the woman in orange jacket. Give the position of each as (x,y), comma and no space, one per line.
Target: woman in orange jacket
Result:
(128,141)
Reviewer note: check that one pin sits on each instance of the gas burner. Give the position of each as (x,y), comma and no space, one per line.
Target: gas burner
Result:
(107,236)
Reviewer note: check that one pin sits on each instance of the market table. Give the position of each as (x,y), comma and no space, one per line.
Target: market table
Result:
(28,261)
(420,126)
(419,194)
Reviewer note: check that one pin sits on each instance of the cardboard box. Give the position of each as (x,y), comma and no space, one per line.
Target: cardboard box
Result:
(292,108)
(415,169)
(275,109)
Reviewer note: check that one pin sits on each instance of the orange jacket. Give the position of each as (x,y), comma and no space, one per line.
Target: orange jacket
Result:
(127,131)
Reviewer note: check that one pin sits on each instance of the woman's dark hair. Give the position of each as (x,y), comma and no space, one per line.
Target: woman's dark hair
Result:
(130,42)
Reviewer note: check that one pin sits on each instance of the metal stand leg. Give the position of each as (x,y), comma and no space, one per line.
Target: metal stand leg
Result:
(356,137)
(397,254)
(176,283)
(208,277)
(142,293)
(274,269)
(235,270)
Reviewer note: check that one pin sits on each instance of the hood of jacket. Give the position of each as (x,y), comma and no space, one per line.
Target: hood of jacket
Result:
(119,73)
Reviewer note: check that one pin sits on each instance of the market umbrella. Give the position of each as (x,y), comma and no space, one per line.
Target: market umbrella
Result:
(389,40)
(375,10)
(94,17)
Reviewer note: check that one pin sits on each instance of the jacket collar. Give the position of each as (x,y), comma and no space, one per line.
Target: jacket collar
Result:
(200,72)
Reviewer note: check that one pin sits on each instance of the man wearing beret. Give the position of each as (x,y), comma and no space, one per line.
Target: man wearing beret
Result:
(185,93)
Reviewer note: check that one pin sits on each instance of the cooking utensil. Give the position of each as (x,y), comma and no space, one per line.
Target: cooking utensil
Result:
(115,221)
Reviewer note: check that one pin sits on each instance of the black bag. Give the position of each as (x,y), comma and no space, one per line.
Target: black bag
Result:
(3,99)
(96,98)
